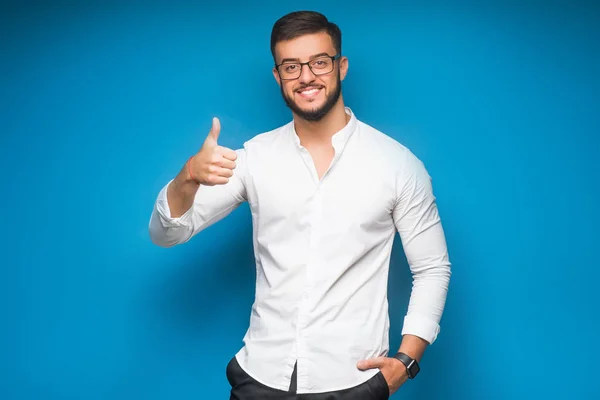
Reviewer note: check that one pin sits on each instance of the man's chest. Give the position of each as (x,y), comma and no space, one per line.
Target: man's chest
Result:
(340,195)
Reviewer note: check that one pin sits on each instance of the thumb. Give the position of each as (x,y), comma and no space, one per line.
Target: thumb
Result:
(215,130)
(370,363)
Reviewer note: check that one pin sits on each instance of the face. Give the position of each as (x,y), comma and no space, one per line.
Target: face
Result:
(311,96)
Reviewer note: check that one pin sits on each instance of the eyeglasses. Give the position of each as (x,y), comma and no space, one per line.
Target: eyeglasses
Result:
(319,66)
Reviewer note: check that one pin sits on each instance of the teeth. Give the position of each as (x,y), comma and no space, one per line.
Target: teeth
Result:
(311,91)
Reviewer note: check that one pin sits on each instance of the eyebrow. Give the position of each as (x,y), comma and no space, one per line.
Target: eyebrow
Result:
(310,58)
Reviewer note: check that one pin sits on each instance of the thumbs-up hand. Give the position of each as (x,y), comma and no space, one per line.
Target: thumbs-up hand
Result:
(213,164)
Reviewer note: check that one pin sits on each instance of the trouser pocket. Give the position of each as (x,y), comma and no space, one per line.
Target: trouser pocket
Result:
(385,389)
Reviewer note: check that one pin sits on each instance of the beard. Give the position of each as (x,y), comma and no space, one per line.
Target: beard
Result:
(314,114)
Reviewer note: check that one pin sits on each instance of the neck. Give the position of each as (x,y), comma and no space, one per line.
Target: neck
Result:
(320,132)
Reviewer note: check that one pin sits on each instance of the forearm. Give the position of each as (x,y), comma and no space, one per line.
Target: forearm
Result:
(427,301)
(181,193)
(171,222)
(413,346)
(431,278)
(180,211)
(165,230)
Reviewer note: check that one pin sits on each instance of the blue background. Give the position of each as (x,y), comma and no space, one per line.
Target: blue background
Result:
(102,102)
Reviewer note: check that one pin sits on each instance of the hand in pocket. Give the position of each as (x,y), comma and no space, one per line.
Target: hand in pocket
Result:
(393,371)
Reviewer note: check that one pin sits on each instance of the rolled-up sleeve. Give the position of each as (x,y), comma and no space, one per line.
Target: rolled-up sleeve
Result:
(211,204)
(418,223)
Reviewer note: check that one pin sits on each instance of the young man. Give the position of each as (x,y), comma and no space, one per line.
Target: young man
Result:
(327,194)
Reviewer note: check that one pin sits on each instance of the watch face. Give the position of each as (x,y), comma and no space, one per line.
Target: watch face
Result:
(414,369)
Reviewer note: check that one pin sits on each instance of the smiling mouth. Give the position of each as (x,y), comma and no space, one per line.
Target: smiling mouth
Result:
(309,92)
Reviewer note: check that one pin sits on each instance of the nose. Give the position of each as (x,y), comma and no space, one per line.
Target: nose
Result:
(306,75)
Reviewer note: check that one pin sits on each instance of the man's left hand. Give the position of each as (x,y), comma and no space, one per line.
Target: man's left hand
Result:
(393,370)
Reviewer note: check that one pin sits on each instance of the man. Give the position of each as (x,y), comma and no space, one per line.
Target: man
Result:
(327,194)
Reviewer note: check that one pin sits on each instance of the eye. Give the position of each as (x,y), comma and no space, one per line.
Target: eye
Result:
(321,63)
(290,67)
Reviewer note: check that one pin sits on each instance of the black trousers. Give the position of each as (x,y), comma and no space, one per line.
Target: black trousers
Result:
(244,387)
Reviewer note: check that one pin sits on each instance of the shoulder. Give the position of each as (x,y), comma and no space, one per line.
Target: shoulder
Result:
(267,139)
(396,155)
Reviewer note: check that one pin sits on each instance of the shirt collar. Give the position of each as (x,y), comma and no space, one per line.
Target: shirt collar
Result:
(340,138)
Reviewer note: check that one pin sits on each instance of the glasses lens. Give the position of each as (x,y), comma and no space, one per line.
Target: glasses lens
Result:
(289,70)
(322,65)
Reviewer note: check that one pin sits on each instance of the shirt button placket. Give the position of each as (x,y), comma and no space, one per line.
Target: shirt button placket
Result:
(315,233)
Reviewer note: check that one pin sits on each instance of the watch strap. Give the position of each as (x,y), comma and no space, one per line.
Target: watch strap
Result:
(412,366)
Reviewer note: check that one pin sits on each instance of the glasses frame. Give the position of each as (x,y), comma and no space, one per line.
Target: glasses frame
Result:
(302,64)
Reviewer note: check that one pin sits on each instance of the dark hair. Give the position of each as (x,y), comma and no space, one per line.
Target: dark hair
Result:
(299,23)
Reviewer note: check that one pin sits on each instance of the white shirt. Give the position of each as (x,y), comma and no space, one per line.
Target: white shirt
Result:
(322,251)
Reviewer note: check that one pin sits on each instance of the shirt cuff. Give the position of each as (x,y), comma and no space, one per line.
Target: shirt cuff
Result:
(162,207)
(422,327)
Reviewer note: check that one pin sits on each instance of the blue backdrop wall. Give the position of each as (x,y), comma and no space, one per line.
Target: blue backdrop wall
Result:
(101,103)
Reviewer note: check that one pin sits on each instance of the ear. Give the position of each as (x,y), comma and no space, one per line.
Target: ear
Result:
(276,76)
(343,67)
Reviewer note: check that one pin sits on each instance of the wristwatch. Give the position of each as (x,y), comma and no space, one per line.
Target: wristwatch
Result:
(412,366)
